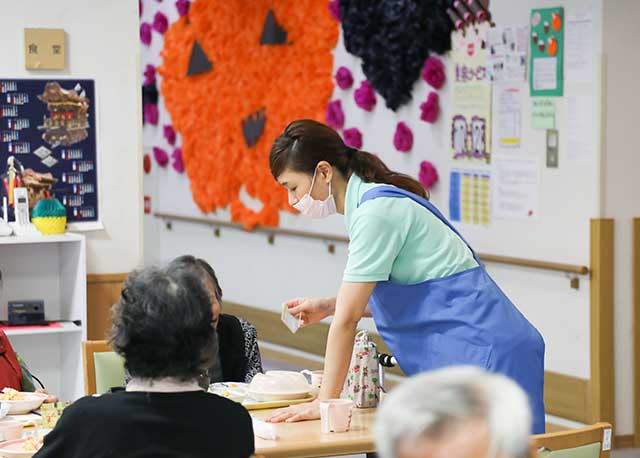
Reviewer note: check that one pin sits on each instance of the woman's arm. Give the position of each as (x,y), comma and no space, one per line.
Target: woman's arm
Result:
(350,305)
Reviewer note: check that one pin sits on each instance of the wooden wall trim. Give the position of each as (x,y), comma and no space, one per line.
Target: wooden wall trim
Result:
(565,396)
(601,321)
(103,290)
(635,281)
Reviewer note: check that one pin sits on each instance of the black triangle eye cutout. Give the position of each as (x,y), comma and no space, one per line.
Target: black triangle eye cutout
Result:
(272,32)
(253,126)
(198,62)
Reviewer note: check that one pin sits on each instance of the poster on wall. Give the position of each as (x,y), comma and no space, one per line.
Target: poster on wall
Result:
(547,51)
(48,128)
(516,188)
(507,58)
(470,197)
(471,96)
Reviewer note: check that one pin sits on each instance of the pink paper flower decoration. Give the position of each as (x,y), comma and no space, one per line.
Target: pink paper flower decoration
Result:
(169,134)
(177,163)
(352,137)
(365,96)
(344,79)
(431,108)
(335,116)
(151,114)
(183,7)
(403,138)
(160,22)
(149,75)
(334,9)
(433,72)
(161,156)
(428,175)
(145,33)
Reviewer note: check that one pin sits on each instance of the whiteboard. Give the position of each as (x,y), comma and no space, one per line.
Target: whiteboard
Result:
(569,195)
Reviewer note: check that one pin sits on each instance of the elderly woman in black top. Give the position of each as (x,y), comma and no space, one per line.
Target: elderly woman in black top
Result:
(162,326)
(238,356)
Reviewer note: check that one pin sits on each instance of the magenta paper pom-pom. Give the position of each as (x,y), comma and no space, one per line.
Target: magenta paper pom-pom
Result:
(151,113)
(145,33)
(161,156)
(334,9)
(183,7)
(169,134)
(177,163)
(428,175)
(433,72)
(335,116)
(403,138)
(352,137)
(149,75)
(365,96)
(344,79)
(160,22)
(431,108)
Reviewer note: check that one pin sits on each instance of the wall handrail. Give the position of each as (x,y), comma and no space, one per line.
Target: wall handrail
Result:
(272,231)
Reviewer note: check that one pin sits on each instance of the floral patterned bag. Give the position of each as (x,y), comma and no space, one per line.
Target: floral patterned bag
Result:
(363,382)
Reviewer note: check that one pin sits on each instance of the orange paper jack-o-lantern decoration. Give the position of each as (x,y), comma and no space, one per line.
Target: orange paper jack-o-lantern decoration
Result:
(271,83)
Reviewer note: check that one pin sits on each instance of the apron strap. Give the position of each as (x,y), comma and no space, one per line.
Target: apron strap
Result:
(392,191)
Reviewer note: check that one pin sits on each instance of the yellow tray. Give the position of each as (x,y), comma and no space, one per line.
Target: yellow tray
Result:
(275,404)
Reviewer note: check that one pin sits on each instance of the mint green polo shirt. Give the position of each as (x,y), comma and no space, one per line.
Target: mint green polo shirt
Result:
(399,240)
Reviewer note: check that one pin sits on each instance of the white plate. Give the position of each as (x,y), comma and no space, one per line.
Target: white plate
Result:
(279,396)
(31,402)
(235,391)
(13,449)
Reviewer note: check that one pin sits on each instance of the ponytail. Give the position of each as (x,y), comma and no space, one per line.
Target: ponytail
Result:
(304,143)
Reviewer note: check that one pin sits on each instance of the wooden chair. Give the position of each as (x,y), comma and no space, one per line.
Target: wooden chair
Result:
(589,442)
(111,367)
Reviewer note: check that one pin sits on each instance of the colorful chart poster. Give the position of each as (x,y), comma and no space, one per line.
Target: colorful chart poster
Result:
(547,50)
(48,126)
(470,197)
(471,114)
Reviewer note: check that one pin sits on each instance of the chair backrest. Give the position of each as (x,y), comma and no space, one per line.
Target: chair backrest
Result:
(589,442)
(103,368)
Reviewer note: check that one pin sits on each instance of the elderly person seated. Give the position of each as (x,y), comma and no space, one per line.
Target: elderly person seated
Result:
(163,327)
(461,412)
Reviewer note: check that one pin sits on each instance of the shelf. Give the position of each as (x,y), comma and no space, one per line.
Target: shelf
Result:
(67,327)
(28,239)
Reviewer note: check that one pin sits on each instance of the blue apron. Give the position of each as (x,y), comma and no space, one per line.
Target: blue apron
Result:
(462,319)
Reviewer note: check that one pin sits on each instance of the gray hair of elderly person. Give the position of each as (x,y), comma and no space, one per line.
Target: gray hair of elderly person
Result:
(429,404)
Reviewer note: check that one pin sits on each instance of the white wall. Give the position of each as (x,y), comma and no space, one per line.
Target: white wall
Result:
(621,168)
(255,273)
(102,39)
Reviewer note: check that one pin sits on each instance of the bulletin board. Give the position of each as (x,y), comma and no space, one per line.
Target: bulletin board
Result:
(564,197)
(49,126)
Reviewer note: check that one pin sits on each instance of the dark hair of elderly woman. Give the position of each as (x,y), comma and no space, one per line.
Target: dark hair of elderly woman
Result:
(162,326)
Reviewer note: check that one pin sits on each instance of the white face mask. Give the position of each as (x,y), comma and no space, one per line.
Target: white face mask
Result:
(312,208)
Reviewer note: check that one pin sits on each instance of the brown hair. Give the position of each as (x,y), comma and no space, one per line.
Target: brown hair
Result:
(305,142)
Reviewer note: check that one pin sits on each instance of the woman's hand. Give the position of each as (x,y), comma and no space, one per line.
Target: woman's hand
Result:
(298,412)
(312,309)
(50,398)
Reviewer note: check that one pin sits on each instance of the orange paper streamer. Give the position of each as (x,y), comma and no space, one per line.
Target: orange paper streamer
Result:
(288,81)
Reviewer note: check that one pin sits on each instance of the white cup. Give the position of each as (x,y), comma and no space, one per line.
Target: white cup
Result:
(335,415)
(315,379)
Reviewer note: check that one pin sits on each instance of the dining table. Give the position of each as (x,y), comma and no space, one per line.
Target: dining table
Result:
(305,439)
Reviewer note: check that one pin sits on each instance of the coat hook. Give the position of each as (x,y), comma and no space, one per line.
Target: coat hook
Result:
(271,239)
(331,248)
(216,232)
(168,225)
